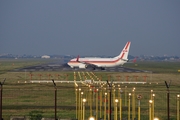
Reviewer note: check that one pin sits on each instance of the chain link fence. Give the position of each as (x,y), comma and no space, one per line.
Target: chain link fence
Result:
(21,101)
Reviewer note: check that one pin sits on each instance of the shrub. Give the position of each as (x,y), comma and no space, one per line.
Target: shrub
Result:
(35,115)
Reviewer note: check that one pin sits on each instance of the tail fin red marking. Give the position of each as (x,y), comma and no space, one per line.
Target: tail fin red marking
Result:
(77,58)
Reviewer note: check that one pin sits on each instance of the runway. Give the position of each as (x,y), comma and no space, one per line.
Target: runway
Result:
(65,67)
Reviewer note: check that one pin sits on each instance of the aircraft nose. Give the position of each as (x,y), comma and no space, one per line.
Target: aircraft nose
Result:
(70,64)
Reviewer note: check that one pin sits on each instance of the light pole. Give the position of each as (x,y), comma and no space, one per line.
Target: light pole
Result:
(153,95)
(96,104)
(133,104)
(105,106)
(150,108)
(116,102)
(125,92)
(139,108)
(55,100)
(84,100)
(90,101)
(76,103)
(120,104)
(100,100)
(129,107)
(178,107)
(81,105)
(1,89)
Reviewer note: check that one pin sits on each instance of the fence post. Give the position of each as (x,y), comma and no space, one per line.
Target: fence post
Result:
(1,89)
(55,100)
(168,85)
(178,107)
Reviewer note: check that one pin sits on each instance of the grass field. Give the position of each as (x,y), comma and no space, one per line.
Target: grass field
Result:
(20,97)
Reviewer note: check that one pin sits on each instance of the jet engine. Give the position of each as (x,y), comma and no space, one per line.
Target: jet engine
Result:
(88,66)
(83,66)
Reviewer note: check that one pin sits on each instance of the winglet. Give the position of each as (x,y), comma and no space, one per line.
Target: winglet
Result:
(77,58)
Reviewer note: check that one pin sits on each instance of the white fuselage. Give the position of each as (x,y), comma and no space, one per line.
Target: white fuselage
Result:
(99,62)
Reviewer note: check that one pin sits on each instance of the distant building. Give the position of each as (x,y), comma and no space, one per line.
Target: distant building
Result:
(45,56)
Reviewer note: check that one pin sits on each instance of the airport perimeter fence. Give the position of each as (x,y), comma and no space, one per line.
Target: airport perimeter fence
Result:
(22,102)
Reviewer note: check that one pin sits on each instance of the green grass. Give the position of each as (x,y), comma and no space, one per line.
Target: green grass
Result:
(10,64)
(156,67)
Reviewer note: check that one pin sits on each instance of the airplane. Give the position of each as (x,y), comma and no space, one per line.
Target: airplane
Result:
(102,63)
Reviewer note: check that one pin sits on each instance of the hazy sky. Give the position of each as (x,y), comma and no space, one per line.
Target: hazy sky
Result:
(89,27)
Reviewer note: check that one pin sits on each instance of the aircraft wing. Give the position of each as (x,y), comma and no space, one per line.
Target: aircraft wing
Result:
(86,63)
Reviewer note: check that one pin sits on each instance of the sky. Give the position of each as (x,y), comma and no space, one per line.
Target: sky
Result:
(89,27)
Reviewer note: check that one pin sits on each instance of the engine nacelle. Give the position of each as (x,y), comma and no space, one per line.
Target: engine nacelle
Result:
(83,66)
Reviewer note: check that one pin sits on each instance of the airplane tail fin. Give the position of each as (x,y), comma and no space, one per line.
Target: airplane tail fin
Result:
(124,53)
(77,58)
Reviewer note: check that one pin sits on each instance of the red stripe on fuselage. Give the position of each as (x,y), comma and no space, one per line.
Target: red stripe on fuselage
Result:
(113,61)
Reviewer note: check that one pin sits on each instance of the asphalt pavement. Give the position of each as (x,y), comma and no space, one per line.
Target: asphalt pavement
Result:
(65,67)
